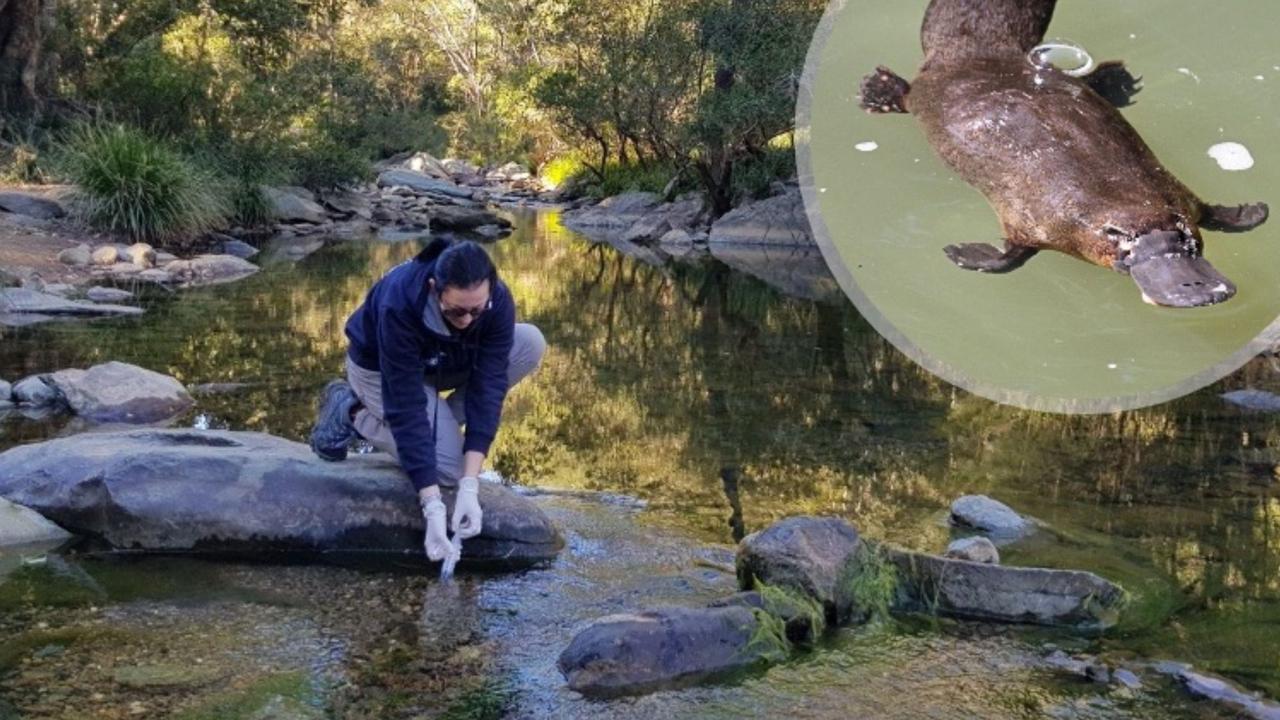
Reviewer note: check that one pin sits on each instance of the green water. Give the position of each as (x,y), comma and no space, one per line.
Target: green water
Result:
(1057,333)
(657,378)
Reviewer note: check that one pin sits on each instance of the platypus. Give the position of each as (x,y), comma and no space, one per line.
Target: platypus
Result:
(1053,155)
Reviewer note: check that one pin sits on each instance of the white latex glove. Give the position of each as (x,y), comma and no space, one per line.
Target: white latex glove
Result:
(436,542)
(467,516)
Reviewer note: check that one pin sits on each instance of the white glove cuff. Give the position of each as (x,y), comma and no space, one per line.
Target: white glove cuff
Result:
(469,485)
(432,506)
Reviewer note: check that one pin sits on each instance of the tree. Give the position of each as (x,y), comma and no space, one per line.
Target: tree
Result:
(23,27)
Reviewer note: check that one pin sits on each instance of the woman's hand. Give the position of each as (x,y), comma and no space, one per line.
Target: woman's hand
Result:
(436,540)
(467,516)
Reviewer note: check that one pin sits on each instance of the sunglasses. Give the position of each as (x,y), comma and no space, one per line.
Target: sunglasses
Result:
(457,313)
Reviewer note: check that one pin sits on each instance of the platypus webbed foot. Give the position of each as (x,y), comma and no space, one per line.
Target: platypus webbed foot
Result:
(1233,218)
(884,92)
(1113,81)
(989,258)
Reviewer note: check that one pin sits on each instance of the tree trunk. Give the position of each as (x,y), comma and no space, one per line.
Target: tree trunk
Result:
(23,26)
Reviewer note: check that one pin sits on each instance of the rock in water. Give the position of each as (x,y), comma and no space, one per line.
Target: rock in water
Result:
(1251,399)
(422,183)
(666,647)
(974,549)
(119,392)
(21,526)
(805,554)
(20,301)
(991,516)
(107,294)
(1220,691)
(1000,593)
(6,393)
(778,220)
(250,494)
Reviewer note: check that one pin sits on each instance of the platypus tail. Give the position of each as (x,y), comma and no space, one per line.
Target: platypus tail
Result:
(962,28)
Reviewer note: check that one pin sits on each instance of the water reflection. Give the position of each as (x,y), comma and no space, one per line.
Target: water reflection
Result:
(696,384)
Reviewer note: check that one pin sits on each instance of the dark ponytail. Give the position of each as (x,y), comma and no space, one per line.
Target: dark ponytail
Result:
(461,264)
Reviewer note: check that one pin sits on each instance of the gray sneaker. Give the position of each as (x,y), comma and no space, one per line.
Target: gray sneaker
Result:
(333,430)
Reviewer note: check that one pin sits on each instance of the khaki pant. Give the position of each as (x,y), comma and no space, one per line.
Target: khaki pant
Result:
(526,353)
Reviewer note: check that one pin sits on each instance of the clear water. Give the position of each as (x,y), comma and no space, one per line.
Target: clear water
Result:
(658,377)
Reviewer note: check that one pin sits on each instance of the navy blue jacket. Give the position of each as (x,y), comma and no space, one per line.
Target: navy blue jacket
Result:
(400,333)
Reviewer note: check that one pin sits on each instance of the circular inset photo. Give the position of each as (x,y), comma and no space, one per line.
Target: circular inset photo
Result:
(1061,208)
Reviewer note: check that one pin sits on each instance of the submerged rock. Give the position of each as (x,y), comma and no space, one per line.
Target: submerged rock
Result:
(667,647)
(458,218)
(107,294)
(1257,400)
(250,494)
(21,526)
(1000,593)
(1218,690)
(6,392)
(990,516)
(805,554)
(120,392)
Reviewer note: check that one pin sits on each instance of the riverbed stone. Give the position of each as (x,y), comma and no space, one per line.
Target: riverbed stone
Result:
(1252,399)
(105,255)
(244,494)
(209,270)
(777,220)
(6,392)
(237,248)
(21,525)
(664,648)
(78,256)
(974,549)
(347,203)
(993,517)
(165,676)
(421,182)
(107,294)
(464,219)
(805,554)
(1001,593)
(1218,690)
(427,164)
(120,392)
(36,391)
(617,212)
(20,203)
(292,206)
(142,255)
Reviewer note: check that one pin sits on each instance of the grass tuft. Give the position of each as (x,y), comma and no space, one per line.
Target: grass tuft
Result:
(133,184)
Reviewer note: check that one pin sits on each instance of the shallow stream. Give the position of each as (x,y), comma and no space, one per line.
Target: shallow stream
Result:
(660,380)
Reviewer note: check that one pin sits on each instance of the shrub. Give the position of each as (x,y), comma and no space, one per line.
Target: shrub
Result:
(322,163)
(137,185)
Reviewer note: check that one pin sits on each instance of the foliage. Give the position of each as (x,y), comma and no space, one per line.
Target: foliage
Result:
(289,689)
(137,185)
(872,581)
(782,601)
(490,701)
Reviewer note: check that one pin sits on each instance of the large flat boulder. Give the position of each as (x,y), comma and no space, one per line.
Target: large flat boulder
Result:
(1001,593)
(207,270)
(667,647)
(464,219)
(807,555)
(289,205)
(23,526)
(778,220)
(250,494)
(614,213)
(19,301)
(120,392)
(422,182)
